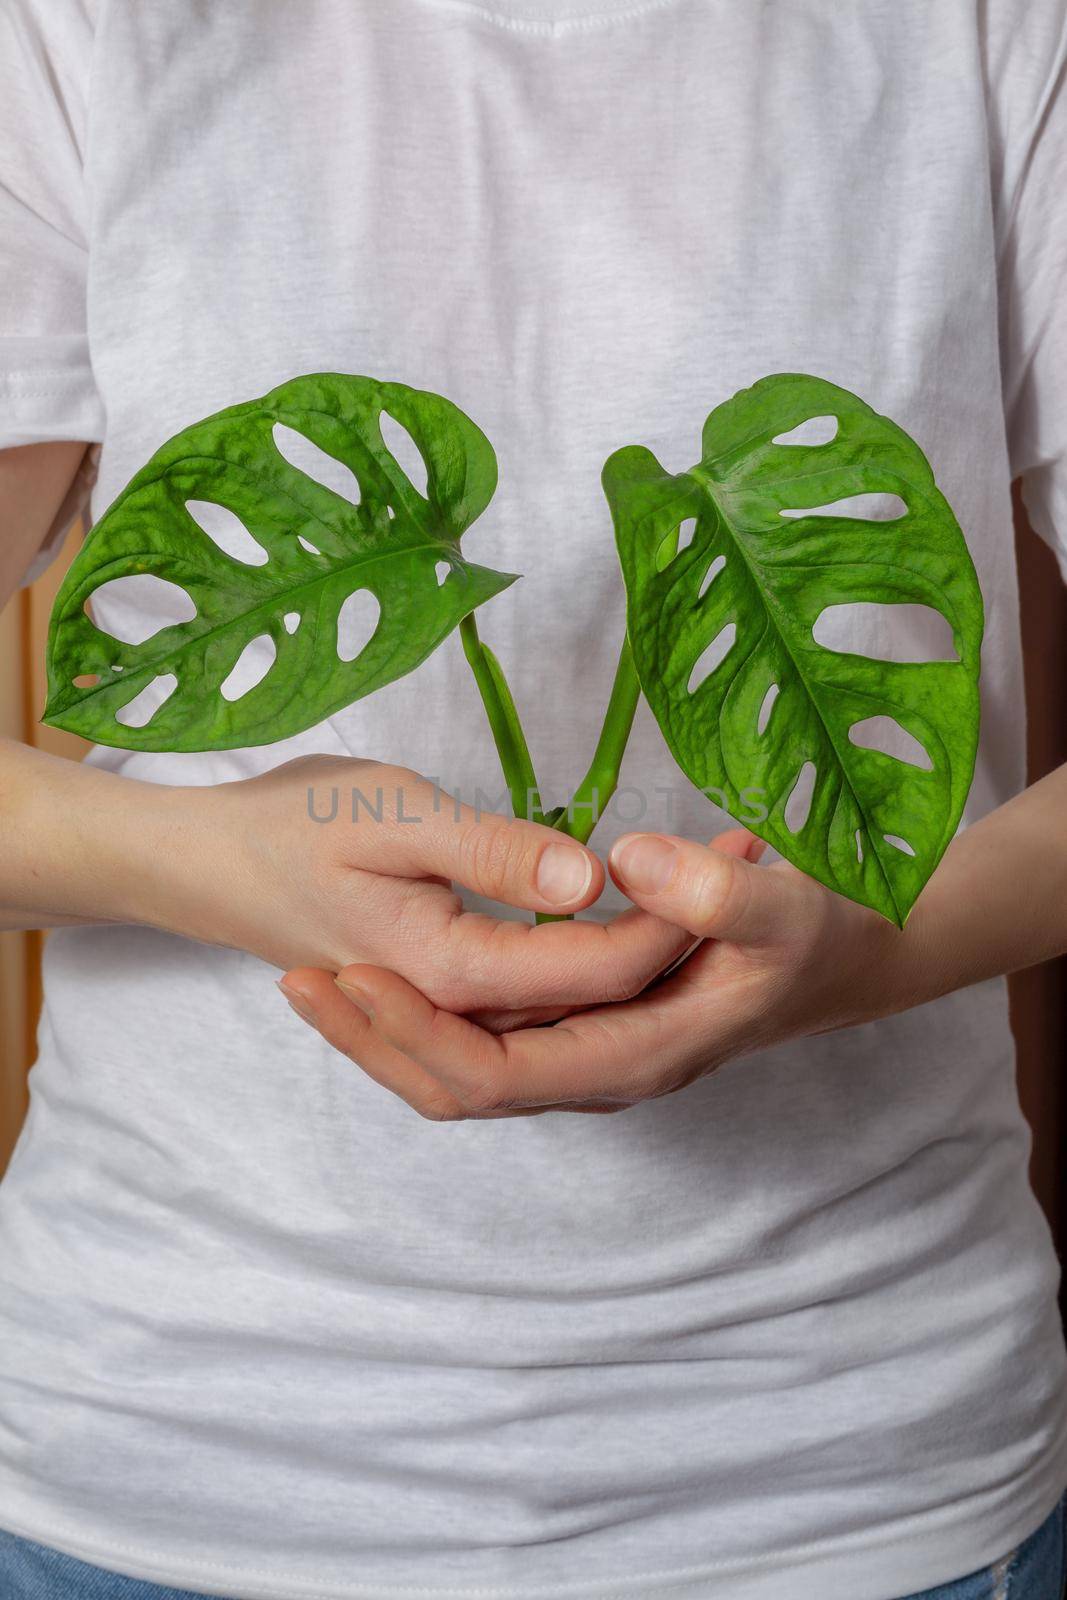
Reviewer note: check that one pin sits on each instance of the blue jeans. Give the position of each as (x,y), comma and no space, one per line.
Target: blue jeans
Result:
(1036,1571)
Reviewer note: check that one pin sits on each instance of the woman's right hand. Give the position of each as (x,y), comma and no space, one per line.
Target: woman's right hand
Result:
(247,864)
(244,864)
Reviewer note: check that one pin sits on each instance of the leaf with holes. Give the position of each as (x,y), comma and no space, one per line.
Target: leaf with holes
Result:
(281,587)
(760,713)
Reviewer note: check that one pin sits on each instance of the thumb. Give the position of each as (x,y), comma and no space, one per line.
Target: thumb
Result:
(509,859)
(716,893)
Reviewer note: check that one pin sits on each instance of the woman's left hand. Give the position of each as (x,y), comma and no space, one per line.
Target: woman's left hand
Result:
(783,957)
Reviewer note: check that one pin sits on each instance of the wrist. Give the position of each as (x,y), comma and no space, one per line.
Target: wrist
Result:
(927,958)
(127,840)
(76,843)
(173,871)
(878,969)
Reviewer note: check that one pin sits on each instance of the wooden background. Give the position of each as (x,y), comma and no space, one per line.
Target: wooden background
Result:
(1039,997)
(23,630)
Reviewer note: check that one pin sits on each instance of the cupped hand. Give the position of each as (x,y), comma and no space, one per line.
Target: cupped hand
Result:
(781,957)
(249,867)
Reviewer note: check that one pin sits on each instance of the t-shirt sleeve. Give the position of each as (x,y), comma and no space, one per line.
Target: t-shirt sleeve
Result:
(1027,89)
(47,388)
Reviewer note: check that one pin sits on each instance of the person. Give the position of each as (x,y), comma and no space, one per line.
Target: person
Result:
(519,1274)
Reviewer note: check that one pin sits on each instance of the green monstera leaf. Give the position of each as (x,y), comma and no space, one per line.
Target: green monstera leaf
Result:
(316,549)
(758,712)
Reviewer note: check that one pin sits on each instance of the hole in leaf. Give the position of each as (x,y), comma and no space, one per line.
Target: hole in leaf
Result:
(312,549)
(766,708)
(441,571)
(139,712)
(798,806)
(404,450)
(813,431)
(710,576)
(900,633)
(147,605)
(250,668)
(390,513)
(898,843)
(886,735)
(859,848)
(86,680)
(712,656)
(291,621)
(865,507)
(225,529)
(668,549)
(315,463)
(356,622)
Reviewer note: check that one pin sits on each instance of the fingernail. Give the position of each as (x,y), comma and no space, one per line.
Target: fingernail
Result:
(298,1003)
(563,874)
(359,997)
(644,862)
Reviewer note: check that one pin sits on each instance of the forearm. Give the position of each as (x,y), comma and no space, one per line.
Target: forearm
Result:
(76,844)
(998,901)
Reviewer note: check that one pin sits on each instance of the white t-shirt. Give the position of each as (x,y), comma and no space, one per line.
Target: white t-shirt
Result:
(263,1330)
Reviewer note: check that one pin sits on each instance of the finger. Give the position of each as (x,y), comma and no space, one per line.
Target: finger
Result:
(615,1054)
(739,842)
(512,966)
(529,1017)
(410,827)
(713,892)
(316,999)
(562,971)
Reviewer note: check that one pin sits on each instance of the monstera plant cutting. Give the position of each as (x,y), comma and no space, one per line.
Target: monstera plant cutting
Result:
(727,566)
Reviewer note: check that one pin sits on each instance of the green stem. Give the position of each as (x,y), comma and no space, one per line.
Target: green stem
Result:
(504,721)
(593,794)
(586,806)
